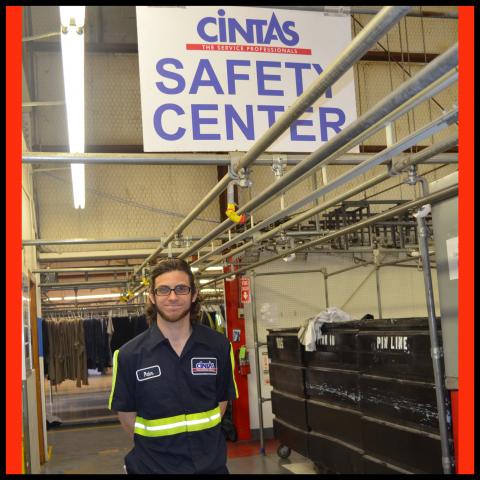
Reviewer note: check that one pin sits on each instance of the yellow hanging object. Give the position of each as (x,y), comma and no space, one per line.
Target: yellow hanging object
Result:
(145,282)
(233,216)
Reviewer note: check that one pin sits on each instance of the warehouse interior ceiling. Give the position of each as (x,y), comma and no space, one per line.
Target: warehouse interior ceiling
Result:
(132,207)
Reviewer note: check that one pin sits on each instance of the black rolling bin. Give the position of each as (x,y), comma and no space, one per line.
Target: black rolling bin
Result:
(363,402)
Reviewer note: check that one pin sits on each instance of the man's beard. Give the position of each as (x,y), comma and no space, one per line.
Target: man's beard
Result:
(175,317)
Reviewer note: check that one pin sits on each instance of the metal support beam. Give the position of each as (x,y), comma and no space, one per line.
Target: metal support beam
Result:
(83,285)
(360,10)
(218,159)
(436,349)
(88,241)
(379,297)
(431,198)
(83,269)
(325,283)
(257,361)
(413,160)
(376,117)
(388,153)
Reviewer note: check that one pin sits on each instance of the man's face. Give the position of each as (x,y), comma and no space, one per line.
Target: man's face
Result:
(173,307)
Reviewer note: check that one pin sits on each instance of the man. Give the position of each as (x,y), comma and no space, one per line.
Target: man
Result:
(171,383)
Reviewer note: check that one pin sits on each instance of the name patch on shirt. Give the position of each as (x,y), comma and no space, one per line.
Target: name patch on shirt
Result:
(148,373)
(204,366)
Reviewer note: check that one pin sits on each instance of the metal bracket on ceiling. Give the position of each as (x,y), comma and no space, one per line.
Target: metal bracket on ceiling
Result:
(239,175)
(279,165)
(337,11)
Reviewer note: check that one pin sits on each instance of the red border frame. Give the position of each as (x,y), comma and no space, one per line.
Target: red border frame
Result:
(13,206)
(466,461)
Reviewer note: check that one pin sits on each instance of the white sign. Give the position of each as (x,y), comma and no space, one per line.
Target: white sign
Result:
(452,255)
(245,290)
(216,78)
(266,368)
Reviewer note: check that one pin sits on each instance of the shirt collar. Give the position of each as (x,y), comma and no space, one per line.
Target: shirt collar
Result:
(198,335)
(155,336)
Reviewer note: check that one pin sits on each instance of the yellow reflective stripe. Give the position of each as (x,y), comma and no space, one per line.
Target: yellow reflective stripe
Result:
(160,431)
(201,424)
(178,424)
(114,375)
(161,422)
(232,361)
(203,415)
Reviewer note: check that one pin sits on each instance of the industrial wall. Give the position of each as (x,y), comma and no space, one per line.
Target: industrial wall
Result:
(29,263)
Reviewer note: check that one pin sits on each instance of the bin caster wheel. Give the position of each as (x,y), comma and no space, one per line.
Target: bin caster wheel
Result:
(283,451)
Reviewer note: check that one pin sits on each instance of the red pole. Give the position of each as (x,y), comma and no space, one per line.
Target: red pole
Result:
(241,412)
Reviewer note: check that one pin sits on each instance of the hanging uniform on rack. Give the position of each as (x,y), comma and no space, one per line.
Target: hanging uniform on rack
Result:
(96,339)
(67,359)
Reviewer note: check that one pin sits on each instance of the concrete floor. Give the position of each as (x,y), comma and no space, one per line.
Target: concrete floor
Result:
(99,449)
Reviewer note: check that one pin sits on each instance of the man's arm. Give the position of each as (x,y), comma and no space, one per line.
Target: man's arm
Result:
(127,419)
(223,407)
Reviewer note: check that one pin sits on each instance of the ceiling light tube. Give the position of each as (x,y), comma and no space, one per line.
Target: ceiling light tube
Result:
(91,297)
(73,57)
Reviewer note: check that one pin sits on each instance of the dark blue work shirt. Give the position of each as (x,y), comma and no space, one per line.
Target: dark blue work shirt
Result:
(177,428)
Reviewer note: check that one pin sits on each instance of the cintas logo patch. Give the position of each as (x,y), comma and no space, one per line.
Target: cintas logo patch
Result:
(204,366)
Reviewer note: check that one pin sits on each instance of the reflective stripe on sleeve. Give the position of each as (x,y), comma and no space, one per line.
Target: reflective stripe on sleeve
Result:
(178,424)
(232,361)
(114,378)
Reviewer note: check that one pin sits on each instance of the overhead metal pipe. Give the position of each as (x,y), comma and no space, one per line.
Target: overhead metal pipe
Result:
(352,10)
(436,349)
(432,72)
(360,45)
(256,346)
(348,269)
(216,159)
(87,241)
(431,198)
(341,180)
(379,297)
(325,284)
(288,272)
(83,269)
(386,264)
(413,160)
(425,132)
(84,285)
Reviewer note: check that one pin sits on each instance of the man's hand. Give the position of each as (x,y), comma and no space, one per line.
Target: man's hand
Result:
(223,407)
(127,419)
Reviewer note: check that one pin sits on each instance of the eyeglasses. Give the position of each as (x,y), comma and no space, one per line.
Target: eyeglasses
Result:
(164,290)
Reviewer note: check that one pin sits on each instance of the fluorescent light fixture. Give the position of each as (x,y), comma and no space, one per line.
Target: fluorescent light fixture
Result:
(85,297)
(73,58)
(210,290)
(204,280)
(289,258)
(78,183)
(209,269)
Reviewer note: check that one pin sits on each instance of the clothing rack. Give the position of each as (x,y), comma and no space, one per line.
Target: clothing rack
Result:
(104,308)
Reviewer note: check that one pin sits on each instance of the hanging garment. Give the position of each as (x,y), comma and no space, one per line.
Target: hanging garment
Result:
(96,340)
(311,331)
(67,357)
